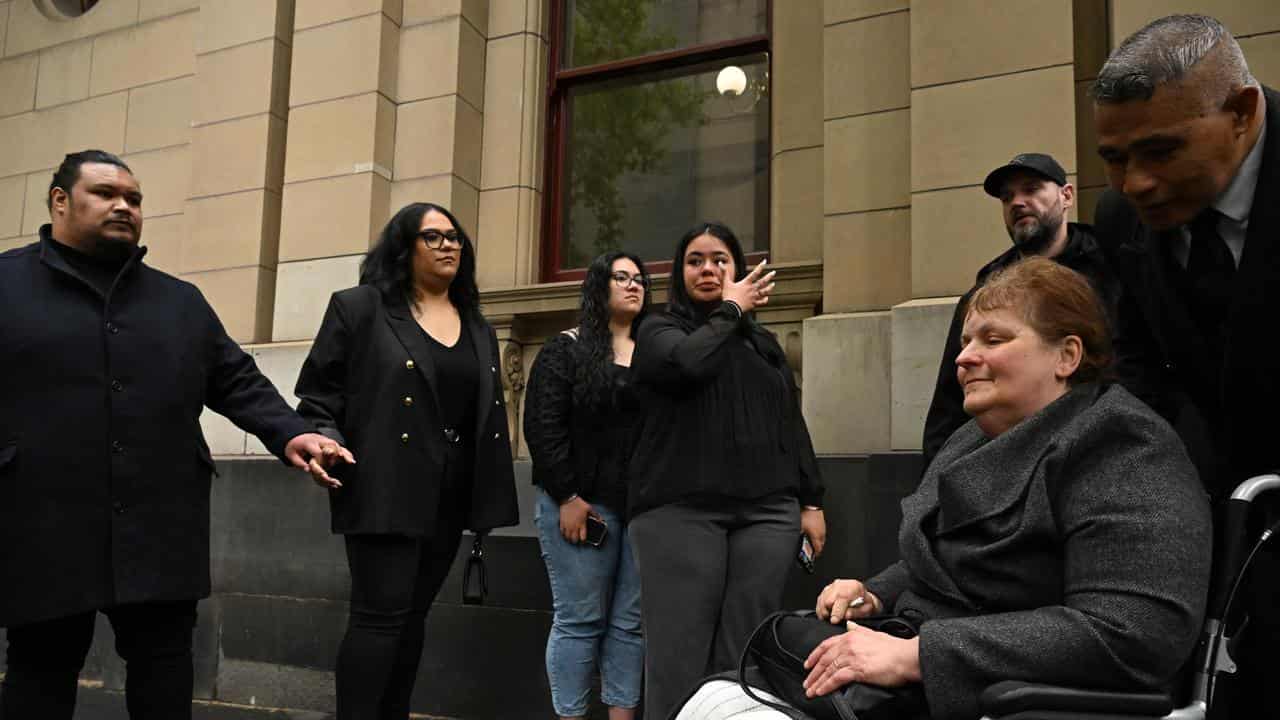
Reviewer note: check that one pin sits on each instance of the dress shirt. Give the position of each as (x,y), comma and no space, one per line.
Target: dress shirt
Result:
(1234,205)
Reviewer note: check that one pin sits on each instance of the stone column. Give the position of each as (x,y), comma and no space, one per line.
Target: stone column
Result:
(984,87)
(514,138)
(338,166)
(866,247)
(237,159)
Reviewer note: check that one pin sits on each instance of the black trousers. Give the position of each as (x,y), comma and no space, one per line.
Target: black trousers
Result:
(394,580)
(154,640)
(708,576)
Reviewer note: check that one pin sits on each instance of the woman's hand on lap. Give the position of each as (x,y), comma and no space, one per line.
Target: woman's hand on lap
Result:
(862,655)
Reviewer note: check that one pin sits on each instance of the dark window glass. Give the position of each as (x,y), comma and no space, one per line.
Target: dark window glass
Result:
(604,31)
(648,155)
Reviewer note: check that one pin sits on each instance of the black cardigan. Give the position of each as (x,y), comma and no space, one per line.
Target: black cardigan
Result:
(722,417)
(576,449)
(369,383)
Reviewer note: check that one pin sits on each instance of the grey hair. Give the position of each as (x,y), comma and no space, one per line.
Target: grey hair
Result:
(1165,51)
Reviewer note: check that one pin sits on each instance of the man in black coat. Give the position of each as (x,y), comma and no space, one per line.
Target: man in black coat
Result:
(105,367)
(1191,143)
(1035,198)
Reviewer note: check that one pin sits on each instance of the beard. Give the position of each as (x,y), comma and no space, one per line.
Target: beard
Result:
(1036,237)
(111,248)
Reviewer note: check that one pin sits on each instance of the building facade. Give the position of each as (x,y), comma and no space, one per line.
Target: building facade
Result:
(274,138)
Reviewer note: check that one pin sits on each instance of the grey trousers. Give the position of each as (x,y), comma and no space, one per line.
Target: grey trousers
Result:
(708,576)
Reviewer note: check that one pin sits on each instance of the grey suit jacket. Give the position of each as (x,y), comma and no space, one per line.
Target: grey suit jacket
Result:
(1072,549)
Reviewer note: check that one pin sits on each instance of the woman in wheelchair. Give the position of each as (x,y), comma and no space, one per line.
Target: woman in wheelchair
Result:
(1060,537)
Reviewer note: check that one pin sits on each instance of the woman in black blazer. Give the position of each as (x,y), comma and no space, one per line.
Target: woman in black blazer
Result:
(404,371)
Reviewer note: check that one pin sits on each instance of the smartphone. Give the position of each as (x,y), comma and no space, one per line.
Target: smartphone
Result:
(596,530)
(805,556)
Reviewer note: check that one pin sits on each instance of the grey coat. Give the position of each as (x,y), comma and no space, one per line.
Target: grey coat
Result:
(1072,549)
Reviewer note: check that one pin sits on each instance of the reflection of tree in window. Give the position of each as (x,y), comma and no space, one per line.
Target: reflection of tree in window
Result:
(617,128)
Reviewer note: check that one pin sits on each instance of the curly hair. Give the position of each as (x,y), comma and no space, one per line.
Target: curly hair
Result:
(593,352)
(388,265)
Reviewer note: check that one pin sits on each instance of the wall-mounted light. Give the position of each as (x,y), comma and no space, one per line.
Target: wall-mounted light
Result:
(732,81)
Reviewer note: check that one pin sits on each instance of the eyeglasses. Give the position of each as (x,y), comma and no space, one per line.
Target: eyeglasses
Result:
(435,239)
(624,280)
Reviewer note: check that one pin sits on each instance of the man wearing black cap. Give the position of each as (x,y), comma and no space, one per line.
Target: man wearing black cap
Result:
(1035,197)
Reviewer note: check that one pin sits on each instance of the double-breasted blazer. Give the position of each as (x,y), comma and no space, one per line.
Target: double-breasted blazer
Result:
(104,471)
(369,383)
(1072,549)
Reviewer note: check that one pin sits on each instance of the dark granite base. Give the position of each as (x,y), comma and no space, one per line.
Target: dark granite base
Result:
(267,639)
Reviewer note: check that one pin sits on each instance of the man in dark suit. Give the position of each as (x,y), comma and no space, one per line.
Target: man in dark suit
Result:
(1191,143)
(105,367)
(1035,200)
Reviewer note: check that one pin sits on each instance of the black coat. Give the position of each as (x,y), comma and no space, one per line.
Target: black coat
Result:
(1226,419)
(369,384)
(104,472)
(946,410)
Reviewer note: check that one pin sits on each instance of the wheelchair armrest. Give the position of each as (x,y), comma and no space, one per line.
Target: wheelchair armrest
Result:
(1012,696)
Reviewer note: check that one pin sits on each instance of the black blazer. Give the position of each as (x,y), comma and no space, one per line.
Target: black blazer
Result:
(104,471)
(369,383)
(1166,361)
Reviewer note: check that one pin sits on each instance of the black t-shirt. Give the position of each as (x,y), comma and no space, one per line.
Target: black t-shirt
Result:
(458,376)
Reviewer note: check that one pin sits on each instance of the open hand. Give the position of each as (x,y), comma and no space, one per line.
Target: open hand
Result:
(751,291)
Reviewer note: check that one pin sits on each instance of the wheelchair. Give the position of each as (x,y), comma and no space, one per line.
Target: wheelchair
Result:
(1012,700)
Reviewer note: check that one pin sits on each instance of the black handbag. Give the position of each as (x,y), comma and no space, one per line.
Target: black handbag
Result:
(475,584)
(778,648)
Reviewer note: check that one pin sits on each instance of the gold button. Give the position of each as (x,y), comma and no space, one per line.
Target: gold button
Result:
(404,438)
(408,401)
(408,364)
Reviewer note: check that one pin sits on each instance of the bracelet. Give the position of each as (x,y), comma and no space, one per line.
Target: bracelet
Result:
(571,498)
(737,308)
(812,507)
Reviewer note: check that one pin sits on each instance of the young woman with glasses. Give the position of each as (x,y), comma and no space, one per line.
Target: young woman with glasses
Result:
(580,416)
(404,371)
(723,478)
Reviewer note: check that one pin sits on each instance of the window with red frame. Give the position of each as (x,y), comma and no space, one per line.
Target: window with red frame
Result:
(659,119)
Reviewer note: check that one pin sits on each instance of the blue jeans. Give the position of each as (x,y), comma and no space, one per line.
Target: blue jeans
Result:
(596,595)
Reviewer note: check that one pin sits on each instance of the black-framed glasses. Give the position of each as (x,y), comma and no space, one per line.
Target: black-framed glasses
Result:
(435,239)
(624,279)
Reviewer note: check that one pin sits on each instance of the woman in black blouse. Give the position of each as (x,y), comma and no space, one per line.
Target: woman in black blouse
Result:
(723,478)
(404,371)
(580,416)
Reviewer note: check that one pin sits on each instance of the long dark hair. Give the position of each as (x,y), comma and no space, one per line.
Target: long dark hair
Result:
(682,307)
(593,352)
(388,265)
